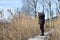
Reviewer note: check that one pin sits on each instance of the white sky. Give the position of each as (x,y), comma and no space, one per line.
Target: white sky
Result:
(4,4)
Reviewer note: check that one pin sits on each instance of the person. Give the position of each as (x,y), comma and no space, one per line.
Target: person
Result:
(41,16)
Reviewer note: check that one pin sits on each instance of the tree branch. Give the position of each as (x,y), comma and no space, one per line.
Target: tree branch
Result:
(30,3)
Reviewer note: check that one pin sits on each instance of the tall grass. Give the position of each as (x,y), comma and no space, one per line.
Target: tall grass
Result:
(23,28)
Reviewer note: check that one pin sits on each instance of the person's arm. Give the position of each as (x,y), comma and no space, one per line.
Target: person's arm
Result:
(39,17)
(44,18)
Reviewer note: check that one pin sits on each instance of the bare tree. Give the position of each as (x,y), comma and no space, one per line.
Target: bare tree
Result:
(31,6)
(11,14)
(26,7)
(1,13)
(57,9)
(17,12)
(50,14)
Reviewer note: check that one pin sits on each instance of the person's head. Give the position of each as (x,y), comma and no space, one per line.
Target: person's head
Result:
(40,12)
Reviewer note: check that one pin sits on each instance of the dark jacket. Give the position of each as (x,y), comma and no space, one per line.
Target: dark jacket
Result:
(41,18)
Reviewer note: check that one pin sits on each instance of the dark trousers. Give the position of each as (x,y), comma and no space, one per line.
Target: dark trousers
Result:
(42,28)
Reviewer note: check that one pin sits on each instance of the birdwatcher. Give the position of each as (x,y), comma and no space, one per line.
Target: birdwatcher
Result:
(41,17)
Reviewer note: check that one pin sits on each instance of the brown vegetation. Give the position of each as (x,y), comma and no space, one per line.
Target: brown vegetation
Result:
(23,28)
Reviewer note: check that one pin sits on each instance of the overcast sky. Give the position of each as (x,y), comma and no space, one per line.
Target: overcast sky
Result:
(4,4)
(10,3)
